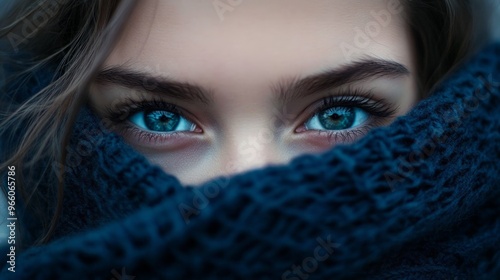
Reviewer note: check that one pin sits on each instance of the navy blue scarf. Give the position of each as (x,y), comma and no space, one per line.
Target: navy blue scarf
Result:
(419,199)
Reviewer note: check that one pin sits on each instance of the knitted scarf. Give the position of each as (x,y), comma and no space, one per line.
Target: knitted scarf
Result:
(418,199)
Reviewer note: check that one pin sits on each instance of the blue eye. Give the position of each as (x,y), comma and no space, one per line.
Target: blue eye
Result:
(337,118)
(161,121)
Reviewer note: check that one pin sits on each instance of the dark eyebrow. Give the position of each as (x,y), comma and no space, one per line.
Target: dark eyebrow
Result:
(285,91)
(365,69)
(160,85)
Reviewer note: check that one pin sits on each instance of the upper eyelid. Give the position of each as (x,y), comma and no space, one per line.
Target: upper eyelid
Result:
(351,96)
(120,112)
(377,106)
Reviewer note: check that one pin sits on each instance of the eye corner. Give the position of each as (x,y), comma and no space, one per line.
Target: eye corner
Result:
(302,128)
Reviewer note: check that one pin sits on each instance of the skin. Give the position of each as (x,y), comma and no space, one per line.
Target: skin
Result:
(239,56)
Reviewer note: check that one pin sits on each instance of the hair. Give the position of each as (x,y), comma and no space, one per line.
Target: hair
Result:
(77,36)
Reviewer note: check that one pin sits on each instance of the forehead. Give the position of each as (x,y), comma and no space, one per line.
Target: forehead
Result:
(238,42)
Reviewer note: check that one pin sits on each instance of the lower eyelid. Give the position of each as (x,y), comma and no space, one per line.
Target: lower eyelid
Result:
(343,136)
(323,140)
(140,137)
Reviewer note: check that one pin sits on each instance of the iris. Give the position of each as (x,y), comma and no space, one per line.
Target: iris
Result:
(161,121)
(337,118)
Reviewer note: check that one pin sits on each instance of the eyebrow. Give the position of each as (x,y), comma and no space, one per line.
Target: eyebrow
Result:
(284,91)
(162,86)
(361,70)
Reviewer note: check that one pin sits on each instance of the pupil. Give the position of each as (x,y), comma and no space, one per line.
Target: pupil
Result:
(335,116)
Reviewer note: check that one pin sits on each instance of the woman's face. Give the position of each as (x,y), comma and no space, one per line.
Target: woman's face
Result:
(207,88)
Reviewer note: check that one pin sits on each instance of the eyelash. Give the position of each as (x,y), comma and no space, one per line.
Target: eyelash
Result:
(378,110)
(361,99)
(128,107)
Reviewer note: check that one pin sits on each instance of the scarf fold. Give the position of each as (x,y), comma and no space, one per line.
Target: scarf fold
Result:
(418,199)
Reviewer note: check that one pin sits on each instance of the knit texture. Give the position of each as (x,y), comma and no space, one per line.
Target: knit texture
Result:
(419,199)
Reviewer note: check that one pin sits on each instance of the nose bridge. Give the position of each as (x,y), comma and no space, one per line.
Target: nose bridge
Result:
(252,148)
